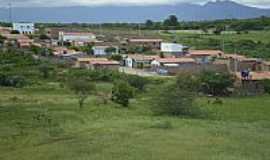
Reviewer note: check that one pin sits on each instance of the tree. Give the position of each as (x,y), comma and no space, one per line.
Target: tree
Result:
(218,30)
(122,92)
(149,23)
(216,84)
(15,32)
(171,21)
(44,37)
(83,89)
(110,50)
(137,82)
(171,100)
(175,99)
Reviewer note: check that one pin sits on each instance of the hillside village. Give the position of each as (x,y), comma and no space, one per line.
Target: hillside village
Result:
(142,55)
(135,91)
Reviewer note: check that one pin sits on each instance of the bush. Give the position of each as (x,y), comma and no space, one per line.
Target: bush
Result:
(82,89)
(12,81)
(266,85)
(173,101)
(216,84)
(122,92)
(136,81)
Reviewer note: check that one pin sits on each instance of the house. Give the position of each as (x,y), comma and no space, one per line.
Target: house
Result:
(173,65)
(104,50)
(76,38)
(5,30)
(266,66)
(139,61)
(18,40)
(145,42)
(24,42)
(97,63)
(59,51)
(252,84)
(174,49)
(24,27)
(238,63)
(205,56)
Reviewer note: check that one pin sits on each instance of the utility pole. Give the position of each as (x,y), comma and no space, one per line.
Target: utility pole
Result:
(235,61)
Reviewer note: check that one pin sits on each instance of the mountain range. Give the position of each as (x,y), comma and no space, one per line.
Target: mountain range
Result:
(187,12)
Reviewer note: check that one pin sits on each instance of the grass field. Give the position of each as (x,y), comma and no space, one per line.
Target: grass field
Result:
(45,123)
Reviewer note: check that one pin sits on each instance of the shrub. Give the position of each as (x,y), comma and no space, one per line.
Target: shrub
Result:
(173,100)
(216,84)
(136,81)
(12,81)
(122,92)
(82,89)
(266,85)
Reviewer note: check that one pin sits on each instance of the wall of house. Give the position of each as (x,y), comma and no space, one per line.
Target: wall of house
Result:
(196,68)
(24,28)
(244,65)
(110,67)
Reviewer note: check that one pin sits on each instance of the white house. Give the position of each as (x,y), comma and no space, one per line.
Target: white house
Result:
(101,50)
(174,48)
(77,37)
(24,28)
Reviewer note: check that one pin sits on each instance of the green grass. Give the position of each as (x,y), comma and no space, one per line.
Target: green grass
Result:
(238,129)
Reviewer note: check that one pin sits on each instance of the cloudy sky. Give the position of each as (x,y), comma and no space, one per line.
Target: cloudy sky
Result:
(49,3)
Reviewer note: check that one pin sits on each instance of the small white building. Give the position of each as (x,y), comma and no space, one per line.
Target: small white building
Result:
(78,37)
(24,27)
(174,48)
(102,50)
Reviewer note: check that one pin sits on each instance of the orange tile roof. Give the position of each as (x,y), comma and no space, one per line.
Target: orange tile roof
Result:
(205,53)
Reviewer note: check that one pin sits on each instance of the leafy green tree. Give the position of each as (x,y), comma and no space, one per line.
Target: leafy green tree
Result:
(171,100)
(216,84)
(44,37)
(175,99)
(149,23)
(122,92)
(83,89)
(116,57)
(171,21)
(137,82)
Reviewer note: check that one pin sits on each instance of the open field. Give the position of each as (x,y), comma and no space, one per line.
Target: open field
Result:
(46,123)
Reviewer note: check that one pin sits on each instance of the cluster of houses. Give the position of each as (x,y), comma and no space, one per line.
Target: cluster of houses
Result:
(168,58)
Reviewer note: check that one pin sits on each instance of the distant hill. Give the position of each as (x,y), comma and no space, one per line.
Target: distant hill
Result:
(187,12)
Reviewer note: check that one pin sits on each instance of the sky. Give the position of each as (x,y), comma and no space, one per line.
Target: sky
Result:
(53,3)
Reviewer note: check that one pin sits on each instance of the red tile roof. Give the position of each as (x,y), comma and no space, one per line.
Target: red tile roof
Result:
(205,53)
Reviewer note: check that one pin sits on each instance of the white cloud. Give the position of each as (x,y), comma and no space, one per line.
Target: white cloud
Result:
(48,3)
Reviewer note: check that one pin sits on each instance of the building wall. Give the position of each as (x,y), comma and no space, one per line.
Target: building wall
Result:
(99,52)
(24,28)
(71,38)
(244,65)
(196,68)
